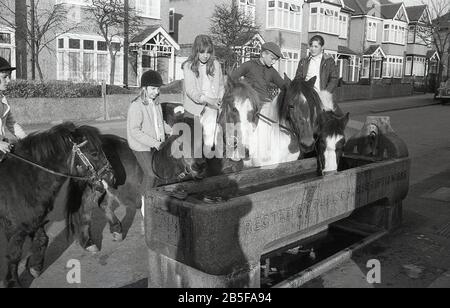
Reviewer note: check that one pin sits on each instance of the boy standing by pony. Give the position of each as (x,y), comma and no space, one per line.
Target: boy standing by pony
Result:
(6,118)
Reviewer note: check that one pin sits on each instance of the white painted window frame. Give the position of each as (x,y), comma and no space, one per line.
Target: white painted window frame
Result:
(278,14)
(64,73)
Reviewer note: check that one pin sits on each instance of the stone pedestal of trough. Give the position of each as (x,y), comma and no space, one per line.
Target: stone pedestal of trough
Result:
(196,244)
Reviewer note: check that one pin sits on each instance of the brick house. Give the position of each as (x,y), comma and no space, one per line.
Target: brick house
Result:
(421,61)
(280,21)
(379,31)
(331,20)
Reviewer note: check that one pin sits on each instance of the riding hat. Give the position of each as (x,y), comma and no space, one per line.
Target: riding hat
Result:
(272,47)
(151,79)
(5,66)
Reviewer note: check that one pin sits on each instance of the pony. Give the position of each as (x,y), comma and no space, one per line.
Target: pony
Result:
(268,136)
(31,177)
(129,177)
(325,120)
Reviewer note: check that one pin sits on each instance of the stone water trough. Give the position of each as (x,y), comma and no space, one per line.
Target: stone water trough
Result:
(216,237)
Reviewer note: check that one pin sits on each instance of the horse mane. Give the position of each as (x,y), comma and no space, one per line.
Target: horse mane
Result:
(298,86)
(49,145)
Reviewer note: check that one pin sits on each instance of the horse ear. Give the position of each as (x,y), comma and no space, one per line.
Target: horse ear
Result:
(346,118)
(312,82)
(287,79)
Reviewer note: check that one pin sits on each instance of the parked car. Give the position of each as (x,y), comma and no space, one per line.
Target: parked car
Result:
(443,93)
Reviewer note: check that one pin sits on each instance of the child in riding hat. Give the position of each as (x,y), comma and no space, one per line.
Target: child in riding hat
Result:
(260,73)
(146,128)
(6,117)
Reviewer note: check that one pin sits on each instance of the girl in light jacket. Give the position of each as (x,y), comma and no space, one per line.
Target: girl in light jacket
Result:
(204,86)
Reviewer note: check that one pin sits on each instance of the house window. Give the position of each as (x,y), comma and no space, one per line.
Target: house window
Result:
(86,59)
(394,33)
(284,15)
(365,68)
(393,67)
(411,34)
(289,63)
(149,8)
(88,45)
(408,66)
(172,21)
(74,66)
(372,31)
(343,26)
(376,68)
(101,45)
(248,7)
(5,38)
(74,44)
(328,20)
(419,66)
(7,45)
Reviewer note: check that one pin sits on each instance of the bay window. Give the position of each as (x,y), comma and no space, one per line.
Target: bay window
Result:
(395,33)
(328,20)
(284,14)
(289,63)
(149,8)
(248,7)
(372,31)
(7,45)
(393,67)
(86,58)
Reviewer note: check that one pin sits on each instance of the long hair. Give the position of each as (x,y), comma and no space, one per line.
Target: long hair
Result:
(203,43)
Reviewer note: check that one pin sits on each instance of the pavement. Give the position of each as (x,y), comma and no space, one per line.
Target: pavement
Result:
(416,255)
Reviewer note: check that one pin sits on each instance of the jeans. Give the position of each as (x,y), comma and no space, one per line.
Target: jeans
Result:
(145,160)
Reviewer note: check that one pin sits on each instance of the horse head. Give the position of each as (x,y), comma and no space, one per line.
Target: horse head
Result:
(330,141)
(75,151)
(296,105)
(240,107)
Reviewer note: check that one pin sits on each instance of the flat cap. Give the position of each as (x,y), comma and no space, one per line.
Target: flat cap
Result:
(274,48)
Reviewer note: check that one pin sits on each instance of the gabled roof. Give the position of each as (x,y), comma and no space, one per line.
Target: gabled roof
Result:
(148,33)
(389,11)
(373,49)
(433,54)
(415,12)
(380,8)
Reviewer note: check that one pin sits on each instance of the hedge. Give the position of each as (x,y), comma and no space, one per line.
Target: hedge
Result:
(59,89)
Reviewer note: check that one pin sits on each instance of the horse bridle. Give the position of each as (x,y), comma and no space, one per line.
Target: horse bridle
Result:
(94,176)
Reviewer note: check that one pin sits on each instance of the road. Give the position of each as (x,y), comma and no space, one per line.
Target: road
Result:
(416,255)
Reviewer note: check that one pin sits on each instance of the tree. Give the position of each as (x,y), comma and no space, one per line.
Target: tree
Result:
(109,17)
(230,29)
(439,34)
(44,23)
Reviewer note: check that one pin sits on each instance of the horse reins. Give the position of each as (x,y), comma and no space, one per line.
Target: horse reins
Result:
(181,176)
(75,151)
(261,116)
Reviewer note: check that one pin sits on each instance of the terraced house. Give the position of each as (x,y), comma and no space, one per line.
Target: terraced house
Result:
(379,33)
(280,21)
(421,61)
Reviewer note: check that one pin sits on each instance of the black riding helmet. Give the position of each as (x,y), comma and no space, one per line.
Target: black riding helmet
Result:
(5,66)
(151,79)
